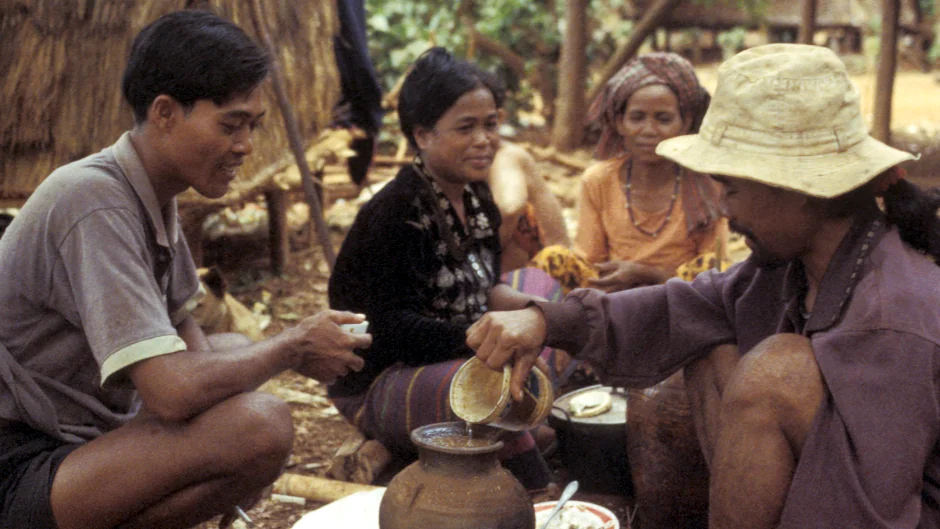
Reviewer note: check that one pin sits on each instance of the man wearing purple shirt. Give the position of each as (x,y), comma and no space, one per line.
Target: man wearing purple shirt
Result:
(813,366)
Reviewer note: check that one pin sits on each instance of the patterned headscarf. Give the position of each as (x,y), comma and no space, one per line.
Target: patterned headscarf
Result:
(659,68)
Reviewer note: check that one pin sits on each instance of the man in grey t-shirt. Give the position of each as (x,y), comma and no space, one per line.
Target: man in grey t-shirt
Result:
(115,408)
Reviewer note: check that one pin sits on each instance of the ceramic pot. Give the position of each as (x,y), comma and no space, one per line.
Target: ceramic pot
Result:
(594,449)
(670,476)
(454,486)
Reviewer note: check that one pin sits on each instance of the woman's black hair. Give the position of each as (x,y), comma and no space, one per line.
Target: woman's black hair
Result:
(436,81)
(191,55)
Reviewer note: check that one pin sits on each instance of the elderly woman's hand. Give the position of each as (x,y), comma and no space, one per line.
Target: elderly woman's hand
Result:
(624,275)
(514,336)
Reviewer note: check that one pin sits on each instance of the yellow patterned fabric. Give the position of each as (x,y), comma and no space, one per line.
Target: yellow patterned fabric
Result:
(568,268)
(573,271)
(706,261)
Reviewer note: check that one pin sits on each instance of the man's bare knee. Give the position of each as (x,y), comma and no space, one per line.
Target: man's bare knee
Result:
(264,428)
(705,381)
(781,367)
(780,378)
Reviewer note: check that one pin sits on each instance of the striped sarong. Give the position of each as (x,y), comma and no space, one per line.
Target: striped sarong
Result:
(403,398)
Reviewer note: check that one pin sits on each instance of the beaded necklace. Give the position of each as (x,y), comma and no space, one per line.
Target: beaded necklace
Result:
(672,201)
(867,244)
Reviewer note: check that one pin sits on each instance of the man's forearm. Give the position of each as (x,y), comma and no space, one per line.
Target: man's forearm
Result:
(181,385)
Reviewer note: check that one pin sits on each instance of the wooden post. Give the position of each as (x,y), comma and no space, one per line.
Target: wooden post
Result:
(647,25)
(697,46)
(807,22)
(887,63)
(278,230)
(567,128)
(293,136)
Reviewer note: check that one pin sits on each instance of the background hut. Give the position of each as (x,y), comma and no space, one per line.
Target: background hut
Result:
(60,75)
(844,21)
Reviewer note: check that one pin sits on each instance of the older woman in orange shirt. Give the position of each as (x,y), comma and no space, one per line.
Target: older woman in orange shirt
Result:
(642,218)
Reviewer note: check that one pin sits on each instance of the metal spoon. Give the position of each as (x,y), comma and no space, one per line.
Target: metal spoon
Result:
(565,496)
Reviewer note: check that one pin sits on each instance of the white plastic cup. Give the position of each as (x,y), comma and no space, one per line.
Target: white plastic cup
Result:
(355,328)
(480,395)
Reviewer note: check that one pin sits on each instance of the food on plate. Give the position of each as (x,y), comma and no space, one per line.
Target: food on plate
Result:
(590,403)
(575,516)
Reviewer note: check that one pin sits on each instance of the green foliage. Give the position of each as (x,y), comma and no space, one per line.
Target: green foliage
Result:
(731,41)
(934,53)
(400,30)
(927,7)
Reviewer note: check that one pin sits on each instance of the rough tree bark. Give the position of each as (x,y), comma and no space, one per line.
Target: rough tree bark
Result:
(887,63)
(651,19)
(567,129)
(807,22)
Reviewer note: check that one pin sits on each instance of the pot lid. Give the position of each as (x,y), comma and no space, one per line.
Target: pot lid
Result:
(566,406)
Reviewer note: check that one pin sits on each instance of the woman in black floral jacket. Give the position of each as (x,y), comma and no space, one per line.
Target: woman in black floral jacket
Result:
(422,260)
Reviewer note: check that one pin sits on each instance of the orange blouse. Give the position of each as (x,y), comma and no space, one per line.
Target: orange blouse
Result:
(606,233)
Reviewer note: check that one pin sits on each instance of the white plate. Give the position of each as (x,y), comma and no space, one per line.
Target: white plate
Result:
(576,515)
(356,511)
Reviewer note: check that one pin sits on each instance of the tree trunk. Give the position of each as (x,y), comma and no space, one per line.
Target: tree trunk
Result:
(278,230)
(651,19)
(887,63)
(567,129)
(807,22)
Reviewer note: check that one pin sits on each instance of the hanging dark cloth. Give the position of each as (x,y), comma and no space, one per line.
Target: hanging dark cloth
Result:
(360,85)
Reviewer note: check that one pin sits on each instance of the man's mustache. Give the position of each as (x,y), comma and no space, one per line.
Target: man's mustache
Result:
(737,228)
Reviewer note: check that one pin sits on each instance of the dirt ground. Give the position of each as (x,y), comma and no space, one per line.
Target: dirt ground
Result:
(301,290)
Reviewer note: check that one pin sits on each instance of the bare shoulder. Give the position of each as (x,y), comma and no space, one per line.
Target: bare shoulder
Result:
(600,172)
(508,178)
(510,154)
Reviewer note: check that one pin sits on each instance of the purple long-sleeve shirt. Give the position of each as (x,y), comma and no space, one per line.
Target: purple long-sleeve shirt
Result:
(871,459)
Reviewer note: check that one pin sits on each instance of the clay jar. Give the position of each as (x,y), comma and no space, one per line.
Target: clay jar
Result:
(455,486)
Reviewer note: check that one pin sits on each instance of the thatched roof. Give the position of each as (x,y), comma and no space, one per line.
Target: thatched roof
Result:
(724,14)
(61,67)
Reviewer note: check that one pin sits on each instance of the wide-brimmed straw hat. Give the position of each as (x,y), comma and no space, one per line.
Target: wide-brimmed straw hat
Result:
(786,115)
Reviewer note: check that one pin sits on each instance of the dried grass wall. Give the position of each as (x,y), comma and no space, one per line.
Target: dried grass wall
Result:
(61,63)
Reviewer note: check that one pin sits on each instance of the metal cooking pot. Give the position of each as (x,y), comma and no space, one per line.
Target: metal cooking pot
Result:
(594,448)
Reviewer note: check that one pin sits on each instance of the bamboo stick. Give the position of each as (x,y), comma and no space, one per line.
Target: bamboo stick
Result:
(293,136)
(317,489)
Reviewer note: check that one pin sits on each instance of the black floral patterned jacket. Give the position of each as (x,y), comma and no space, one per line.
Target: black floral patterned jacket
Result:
(420,277)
